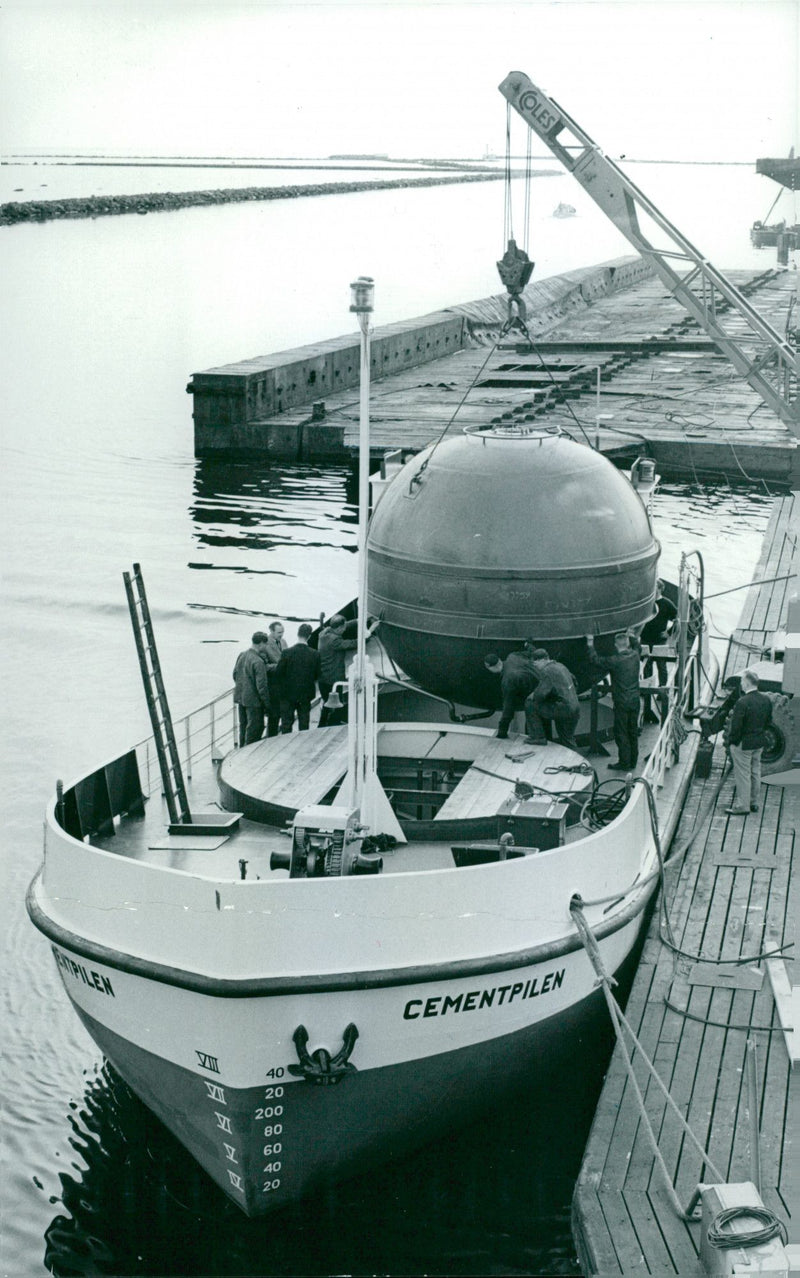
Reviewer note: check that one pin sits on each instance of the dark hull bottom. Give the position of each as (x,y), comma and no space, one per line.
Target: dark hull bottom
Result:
(267,1146)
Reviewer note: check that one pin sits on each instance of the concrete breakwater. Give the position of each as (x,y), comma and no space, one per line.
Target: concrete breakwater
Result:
(167,201)
(276,404)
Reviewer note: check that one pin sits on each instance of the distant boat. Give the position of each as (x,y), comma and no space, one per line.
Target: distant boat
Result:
(564,210)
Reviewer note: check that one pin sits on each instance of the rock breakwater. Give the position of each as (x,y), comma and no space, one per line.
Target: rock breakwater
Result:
(168,201)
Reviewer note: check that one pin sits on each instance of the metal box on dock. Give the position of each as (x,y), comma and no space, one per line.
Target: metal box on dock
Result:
(539,823)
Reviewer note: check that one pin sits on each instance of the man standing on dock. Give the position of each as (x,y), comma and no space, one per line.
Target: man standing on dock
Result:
(623,666)
(751,717)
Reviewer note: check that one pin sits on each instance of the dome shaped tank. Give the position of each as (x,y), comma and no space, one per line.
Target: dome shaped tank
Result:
(499,536)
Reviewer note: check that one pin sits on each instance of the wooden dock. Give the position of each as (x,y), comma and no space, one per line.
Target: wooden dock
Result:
(731,897)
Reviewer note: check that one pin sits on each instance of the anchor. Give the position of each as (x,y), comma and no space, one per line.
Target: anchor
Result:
(322,1068)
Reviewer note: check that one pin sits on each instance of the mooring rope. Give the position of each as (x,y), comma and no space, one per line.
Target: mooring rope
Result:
(618,1019)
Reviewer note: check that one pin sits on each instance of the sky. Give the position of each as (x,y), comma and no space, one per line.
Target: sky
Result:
(649,79)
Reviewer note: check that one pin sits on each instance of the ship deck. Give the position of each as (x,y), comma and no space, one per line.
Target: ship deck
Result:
(273,778)
(731,897)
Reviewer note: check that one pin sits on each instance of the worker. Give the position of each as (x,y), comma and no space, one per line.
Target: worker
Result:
(297,674)
(657,631)
(517,680)
(254,694)
(553,702)
(623,666)
(333,647)
(241,713)
(746,738)
(276,646)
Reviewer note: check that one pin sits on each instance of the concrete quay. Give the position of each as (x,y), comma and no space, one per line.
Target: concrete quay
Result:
(665,390)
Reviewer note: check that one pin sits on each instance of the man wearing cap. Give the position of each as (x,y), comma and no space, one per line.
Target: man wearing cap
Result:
(623,666)
(553,702)
(517,679)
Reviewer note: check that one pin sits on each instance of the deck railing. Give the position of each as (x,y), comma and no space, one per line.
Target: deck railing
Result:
(207,732)
(663,754)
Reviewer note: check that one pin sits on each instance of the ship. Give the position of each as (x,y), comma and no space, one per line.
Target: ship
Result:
(315,952)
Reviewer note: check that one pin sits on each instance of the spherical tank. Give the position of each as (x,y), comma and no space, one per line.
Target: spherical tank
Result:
(502,535)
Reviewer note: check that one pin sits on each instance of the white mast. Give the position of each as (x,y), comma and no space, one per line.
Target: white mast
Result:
(362,786)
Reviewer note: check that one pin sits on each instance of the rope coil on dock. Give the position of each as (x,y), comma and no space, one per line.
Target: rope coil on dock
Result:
(771,1227)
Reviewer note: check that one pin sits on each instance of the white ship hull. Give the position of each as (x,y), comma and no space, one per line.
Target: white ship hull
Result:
(217,1070)
(292,1031)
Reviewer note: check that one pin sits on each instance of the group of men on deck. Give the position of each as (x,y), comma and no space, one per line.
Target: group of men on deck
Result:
(275,683)
(547,691)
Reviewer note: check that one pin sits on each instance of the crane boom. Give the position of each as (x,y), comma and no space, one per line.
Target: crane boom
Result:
(757,351)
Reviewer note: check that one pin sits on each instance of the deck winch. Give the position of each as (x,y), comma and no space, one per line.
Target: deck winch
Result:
(326,843)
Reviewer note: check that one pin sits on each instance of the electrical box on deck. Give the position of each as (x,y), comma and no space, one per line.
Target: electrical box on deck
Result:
(539,823)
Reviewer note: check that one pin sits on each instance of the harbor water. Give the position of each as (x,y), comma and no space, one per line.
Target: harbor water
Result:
(106,321)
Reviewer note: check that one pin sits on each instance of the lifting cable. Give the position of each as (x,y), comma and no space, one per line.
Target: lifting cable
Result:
(527,205)
(508,218)
(508,236)
(417,478)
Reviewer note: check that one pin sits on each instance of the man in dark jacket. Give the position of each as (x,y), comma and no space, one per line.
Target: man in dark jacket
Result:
(554,701)
(656,631)
(251,675)
(623,666)
(333,648)
(517,680)
(751,717)
(297,675)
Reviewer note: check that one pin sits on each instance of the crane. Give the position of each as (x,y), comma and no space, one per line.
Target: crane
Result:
(757,351)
